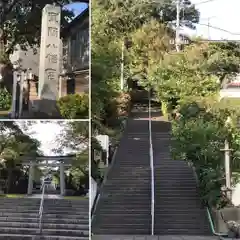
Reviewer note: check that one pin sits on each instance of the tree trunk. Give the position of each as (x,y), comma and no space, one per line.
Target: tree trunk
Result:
(5,66)
(9,179)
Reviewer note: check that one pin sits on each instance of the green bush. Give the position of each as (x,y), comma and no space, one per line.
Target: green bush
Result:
(5,99)
(74,106)
(198,137)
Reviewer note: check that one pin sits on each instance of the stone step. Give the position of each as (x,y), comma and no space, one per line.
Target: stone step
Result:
(126,231)
(45,220)
(36,237)
(170,172)
(129,219)
(122,199)
(127,195)
(127,205)
(123,190)
(112,183)
(8,208)
(19,203)
(137,215)
(180,205)
(67,226)
(178,217)
(46,215)
(122,180)
(46,211)
(117,210)
(47,200)
(186,231)
(133,202)
(61,232)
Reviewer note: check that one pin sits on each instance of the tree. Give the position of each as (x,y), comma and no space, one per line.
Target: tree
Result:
(13,144)
(20,24)
(74,136)
(197,71)
(150,43)
(112,22)
(122,17)
(75,140)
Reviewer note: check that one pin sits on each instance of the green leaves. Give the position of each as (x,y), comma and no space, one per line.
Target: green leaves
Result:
(14,143)
(74,106)
(21,21)
(5,99)
(198,137)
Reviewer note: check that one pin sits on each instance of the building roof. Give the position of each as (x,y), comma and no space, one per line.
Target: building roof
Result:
(76,21)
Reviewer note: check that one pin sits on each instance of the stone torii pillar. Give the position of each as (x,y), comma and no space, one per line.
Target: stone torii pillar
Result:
(62,179)
(30,178)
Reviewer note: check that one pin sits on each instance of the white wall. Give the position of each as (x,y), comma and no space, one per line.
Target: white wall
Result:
(230,93)
(236,195)
(29,59)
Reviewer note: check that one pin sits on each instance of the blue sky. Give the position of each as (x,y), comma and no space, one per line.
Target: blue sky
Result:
(224,14)
(77,7)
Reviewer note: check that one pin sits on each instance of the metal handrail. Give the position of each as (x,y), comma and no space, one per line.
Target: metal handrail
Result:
(210,219)
(151,164)
(41,207)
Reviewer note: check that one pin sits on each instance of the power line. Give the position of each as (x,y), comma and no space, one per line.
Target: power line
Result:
(203,2)
(223,30)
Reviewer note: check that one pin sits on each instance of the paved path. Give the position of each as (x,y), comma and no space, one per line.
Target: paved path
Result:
(112,237)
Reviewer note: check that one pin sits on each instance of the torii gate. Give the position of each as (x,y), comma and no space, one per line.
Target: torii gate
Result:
(42,161)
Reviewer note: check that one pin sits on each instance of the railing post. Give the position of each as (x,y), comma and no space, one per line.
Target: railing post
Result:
(151,164)
(41,208)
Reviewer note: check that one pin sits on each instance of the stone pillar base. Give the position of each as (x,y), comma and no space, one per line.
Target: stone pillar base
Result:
(45,109)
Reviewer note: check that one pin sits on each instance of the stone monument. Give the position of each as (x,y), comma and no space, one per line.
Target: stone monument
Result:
(49,64)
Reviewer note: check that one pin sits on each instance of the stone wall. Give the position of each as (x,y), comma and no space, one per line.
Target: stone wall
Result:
(230,214)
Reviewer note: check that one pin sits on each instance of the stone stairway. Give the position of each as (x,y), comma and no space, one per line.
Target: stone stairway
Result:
(178,209)
(124,206)
(62,219)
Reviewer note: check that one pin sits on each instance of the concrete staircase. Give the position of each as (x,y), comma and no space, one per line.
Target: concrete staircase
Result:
(124,206)
(178,209)
(62,219)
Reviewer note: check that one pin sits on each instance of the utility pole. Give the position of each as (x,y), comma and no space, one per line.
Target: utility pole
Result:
(122,67)
(208,28)
(177,39)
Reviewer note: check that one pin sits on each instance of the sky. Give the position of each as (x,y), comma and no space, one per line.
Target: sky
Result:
(77,7)
(223,14)
(46,133)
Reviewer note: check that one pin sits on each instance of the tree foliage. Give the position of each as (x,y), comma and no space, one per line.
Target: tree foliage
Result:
(21,21)
(13,144)
(112,21)
(196,71)
(189,82)
(74,106)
